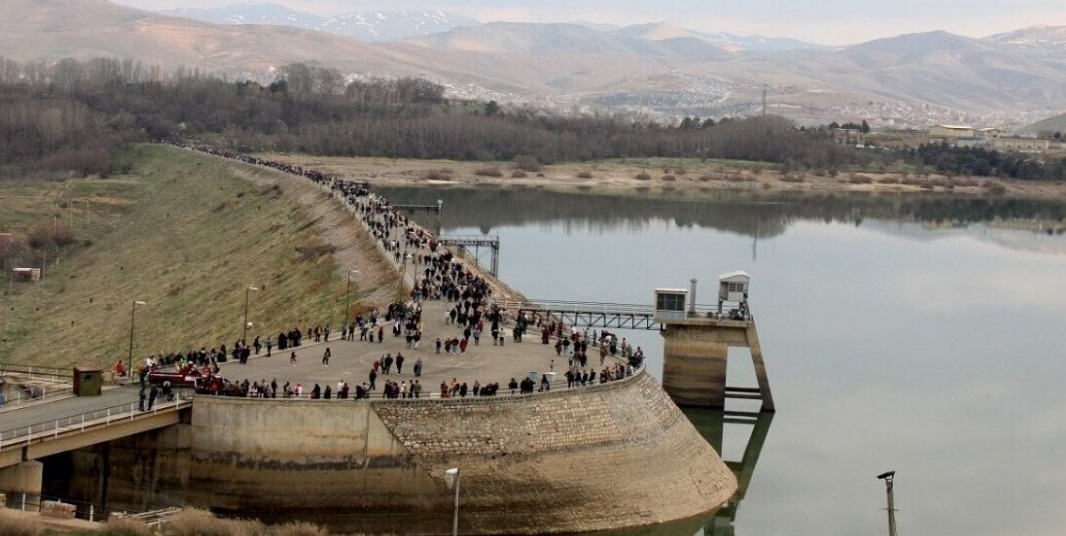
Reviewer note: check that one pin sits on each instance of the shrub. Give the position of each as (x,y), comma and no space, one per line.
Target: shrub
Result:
(642,176)
(995,188)
(437,175)
(706,178)
(888,180)
(489,171)
(518,174)
(299,528)
(526,162)
(860,179)
(669,178)
(126,526)
(193,522)
(584,175)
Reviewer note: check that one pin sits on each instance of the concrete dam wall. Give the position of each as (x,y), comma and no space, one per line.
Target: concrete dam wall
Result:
(603,457)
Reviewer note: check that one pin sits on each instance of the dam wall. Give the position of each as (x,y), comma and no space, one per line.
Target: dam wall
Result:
(608,456)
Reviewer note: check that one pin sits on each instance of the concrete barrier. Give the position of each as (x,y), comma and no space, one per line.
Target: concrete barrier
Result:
(58,509)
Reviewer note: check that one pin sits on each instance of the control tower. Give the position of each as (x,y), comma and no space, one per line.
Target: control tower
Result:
(696,344)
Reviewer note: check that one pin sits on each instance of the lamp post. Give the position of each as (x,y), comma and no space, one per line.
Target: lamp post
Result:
(451,478)
(244,334)
(133,317)
(347,297)
(887,477)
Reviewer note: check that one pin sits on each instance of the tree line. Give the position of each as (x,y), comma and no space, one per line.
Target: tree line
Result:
(74,116)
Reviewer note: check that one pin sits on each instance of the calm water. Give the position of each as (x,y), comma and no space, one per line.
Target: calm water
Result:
(924,337)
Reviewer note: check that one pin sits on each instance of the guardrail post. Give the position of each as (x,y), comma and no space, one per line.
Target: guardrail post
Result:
(55,431)
(23,501)
(91,512)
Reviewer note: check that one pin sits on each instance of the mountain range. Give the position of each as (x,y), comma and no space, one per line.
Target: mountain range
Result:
(1006,80)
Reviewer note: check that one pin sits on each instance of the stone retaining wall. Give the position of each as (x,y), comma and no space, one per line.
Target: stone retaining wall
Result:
(602,457)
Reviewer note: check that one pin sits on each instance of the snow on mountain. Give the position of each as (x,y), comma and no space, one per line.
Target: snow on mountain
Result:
(363,25)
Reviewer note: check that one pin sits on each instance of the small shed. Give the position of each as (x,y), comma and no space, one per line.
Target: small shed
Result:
(26,274)
(88,380)
(733,287)
(670,304)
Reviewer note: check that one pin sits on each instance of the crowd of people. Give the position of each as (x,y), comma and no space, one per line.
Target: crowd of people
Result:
(435,274)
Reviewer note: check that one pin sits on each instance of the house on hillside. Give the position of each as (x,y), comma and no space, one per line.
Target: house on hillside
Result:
(848,136)
(951,133)
(989,133)
(1022,145)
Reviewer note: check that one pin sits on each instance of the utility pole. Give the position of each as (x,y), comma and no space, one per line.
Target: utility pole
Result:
(887,477)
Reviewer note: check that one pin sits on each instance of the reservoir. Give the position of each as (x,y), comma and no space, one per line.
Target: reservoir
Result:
(916,334)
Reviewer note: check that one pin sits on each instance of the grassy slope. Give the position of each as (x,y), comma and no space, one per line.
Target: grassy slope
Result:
(188,235)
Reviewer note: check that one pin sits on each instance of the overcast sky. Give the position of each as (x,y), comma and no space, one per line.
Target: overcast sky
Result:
(822,21)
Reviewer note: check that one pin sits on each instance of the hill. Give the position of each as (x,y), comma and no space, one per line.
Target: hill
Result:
(187,234)
(905,81)
(1052,124)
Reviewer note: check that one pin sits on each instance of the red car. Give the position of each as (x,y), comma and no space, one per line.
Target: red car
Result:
(184,377)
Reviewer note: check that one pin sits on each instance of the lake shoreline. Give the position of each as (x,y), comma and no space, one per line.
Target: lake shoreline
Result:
(685,179)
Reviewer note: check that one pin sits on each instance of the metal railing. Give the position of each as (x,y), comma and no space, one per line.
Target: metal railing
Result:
(87,510)
(50,373)
(46,392)
(90,419)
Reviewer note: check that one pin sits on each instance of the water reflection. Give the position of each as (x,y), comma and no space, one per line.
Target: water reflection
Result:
(711,424)
(746,212)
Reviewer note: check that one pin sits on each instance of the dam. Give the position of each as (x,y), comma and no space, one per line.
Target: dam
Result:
(586,458)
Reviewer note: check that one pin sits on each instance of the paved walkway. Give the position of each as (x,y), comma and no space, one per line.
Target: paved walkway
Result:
(351,361)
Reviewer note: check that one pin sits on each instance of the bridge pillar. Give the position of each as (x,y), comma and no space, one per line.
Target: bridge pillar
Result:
(25,477)
(695,359)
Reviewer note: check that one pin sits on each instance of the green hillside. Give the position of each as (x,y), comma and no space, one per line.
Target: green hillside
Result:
(187,234)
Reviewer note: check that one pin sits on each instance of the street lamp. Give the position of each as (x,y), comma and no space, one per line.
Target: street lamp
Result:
(133,316)
(887,477)
(451,478)
(347,297)
(244,334)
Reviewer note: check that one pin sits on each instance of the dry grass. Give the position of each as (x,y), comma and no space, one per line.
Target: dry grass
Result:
(125,526)
(161,241)
(14,524)
(193,522)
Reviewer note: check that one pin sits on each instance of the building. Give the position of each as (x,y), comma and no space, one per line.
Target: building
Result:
(1023,145)
(951,132)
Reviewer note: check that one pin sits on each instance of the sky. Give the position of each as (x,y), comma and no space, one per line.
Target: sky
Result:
(831,22)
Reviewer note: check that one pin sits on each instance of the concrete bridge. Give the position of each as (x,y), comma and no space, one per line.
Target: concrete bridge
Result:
(34,431)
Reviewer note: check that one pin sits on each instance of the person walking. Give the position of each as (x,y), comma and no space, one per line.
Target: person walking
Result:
(292,359)
(143,395)
(325,357)
(270,344)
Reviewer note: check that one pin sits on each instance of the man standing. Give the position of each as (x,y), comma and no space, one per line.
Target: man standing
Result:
(270,344)
(143,395)
(152,395)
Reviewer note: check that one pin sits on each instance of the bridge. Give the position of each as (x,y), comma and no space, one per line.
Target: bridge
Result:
(59,425)
(611,315)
